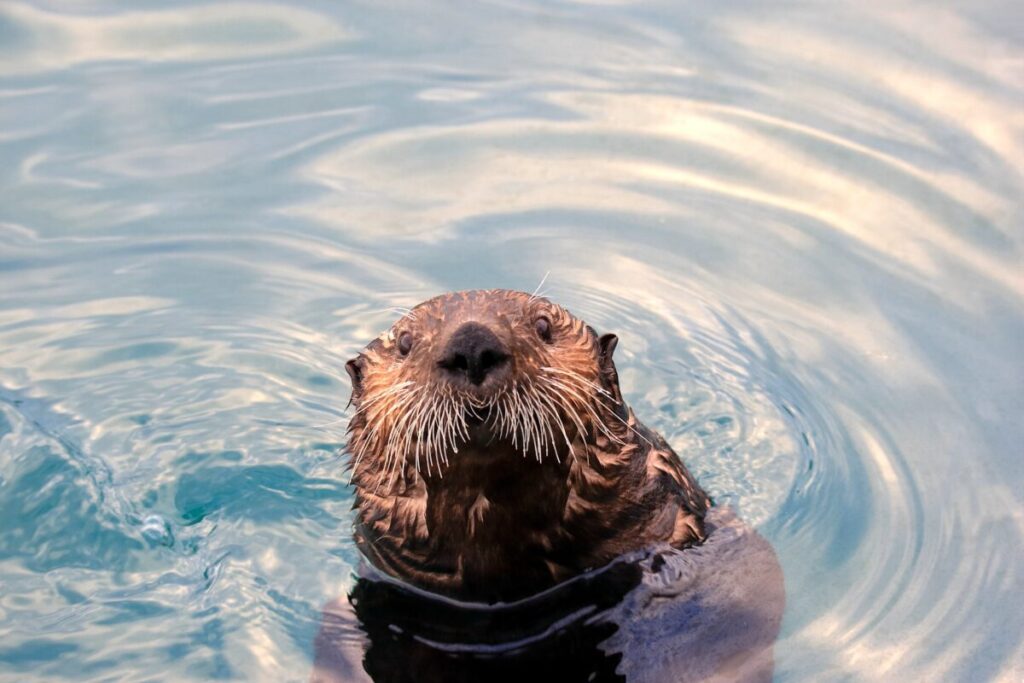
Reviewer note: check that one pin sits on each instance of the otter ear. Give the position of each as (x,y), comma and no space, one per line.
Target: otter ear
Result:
(354,368)
(606,344)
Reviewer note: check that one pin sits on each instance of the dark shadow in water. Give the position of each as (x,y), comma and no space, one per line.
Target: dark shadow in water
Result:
(706,613)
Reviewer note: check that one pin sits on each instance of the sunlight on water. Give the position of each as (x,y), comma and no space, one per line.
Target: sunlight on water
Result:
(804,225)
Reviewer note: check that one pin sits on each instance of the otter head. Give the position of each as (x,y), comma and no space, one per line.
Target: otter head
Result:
(474,416)
(485,373)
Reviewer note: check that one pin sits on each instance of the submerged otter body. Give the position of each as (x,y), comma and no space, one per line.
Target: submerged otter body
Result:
(707,613)
(493,456)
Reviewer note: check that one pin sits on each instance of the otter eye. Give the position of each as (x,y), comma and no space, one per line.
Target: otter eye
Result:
(405,343)
(543,327)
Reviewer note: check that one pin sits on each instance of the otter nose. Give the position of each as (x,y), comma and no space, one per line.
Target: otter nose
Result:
(473,352)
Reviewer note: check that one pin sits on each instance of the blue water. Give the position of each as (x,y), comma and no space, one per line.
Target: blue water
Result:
(804,223)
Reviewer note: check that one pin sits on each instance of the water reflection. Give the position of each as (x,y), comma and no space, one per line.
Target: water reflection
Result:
(804,226)
(45,40)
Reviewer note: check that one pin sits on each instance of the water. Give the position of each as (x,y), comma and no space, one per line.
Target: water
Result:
(805,224)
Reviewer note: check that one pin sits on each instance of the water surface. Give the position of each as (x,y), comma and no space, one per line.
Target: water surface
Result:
(804,223)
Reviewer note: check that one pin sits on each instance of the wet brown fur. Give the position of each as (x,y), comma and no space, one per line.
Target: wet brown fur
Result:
(478,515)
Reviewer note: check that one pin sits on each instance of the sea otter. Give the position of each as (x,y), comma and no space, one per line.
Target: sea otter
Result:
(493,456)
(521,523)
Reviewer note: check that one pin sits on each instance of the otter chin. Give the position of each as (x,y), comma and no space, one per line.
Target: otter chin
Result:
(493,456)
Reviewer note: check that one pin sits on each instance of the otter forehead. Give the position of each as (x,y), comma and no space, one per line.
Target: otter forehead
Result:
(479,301)
(433,321)
(484,305)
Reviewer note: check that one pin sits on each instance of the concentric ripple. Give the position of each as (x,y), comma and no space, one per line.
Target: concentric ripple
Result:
(804,225)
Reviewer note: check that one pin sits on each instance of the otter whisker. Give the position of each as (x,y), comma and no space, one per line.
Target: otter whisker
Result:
(374,423)
(397,444)
(597,387)
(457,429)
(551,415)
(596,419)
(577,420)
(513,409)
(442,436)
(521,437)
(418,428)
(449,433)
(462,425)
(610,411)
(551,412)
(439,437)
(542,281)
(536,423)
(630,427)
(397,439)
(515,424)
(406,312)
(498,415)
(547,436)
(390,391)
(565,435)
(519,425)
(524,422)
(545,417)
(399,436)
(586,400)
(426,431)
(377,420)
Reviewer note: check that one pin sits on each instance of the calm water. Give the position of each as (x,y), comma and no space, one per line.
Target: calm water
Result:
(806,227)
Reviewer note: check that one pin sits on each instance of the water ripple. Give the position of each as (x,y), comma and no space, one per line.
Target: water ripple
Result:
(805,227)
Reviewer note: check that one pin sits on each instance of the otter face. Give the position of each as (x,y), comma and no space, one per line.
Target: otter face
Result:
(480,367)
